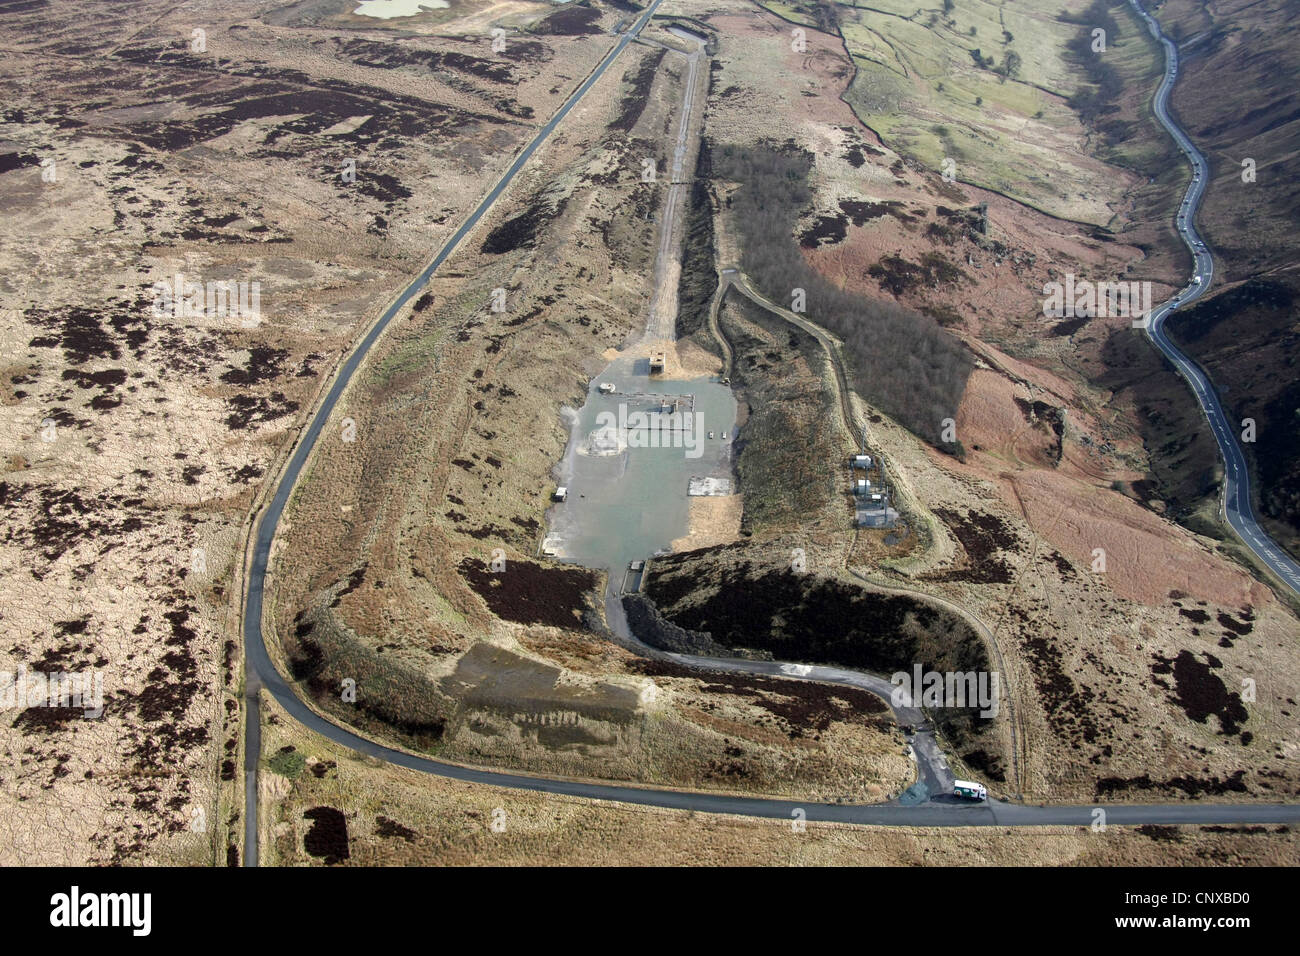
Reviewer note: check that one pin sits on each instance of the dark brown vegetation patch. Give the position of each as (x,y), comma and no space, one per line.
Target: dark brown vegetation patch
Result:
(897,275)
(802,617)
(1065,702)
(521,230)
(390,697)
(328,837)
(635,99)
(984,537)
(1199,691)
(531,593)
(391,828)
(249,410)
(570,21)
(1191,786)
(390,55)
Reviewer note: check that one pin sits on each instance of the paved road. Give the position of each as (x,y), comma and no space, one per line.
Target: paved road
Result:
(941,810)
(1237,507)
(662,323)
(932,766)
(925,745)
(259,671)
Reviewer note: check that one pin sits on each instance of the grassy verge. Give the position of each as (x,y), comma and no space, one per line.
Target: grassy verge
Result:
(999,90)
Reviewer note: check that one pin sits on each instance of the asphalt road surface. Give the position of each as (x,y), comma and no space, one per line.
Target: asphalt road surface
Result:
(259,671)
(941,809)
(1237,506)
(662,323)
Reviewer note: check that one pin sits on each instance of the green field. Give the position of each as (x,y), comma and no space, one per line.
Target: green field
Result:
(1005,121)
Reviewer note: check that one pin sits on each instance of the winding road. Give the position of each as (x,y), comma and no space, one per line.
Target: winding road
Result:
(1237,508)
(938,808)
(259,671)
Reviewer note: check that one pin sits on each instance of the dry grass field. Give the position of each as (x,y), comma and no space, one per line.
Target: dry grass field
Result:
(1127,682)
(136,445)
(458,417)
(324,806)
(133,149)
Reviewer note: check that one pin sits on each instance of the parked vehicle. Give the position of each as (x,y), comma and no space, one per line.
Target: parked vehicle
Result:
(969,790)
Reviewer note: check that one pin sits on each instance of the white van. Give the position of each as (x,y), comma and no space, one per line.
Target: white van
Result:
(969,790)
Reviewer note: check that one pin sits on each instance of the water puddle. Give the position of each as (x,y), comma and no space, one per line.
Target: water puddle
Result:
(635,449)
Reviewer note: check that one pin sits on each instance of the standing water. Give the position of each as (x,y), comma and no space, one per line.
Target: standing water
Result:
(633,452)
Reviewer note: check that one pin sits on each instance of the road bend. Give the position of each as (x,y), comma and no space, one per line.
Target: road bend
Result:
(940,809)
(1236,506)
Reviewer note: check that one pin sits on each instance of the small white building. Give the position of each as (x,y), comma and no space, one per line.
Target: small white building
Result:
(861,461)
(561,493)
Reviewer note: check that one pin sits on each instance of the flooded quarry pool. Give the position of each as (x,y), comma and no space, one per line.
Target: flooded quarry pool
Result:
(637,449)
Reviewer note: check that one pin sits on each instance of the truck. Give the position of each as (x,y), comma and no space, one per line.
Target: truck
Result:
(968,790)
